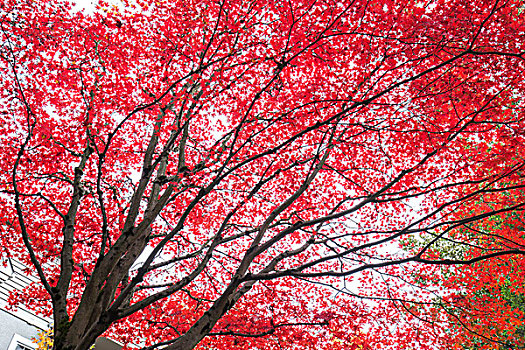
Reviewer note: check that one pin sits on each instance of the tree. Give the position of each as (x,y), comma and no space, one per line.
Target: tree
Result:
(230,174)
(485,301)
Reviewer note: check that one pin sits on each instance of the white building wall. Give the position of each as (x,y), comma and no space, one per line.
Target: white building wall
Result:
(20,324)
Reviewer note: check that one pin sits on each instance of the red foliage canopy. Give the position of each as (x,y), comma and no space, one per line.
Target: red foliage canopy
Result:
(484,302)
(244,173)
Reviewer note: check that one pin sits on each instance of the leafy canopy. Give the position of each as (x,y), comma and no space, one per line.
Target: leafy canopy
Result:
(246,174)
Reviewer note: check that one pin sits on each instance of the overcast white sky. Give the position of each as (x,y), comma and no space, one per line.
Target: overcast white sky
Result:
(85,4)
(89,5)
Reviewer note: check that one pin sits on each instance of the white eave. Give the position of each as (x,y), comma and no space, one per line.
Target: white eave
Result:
(12,277)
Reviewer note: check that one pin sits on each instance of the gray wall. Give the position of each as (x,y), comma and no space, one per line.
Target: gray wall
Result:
(10,325)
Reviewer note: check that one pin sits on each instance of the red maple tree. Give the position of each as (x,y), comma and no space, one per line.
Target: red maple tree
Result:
(484,302)
(223,174)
